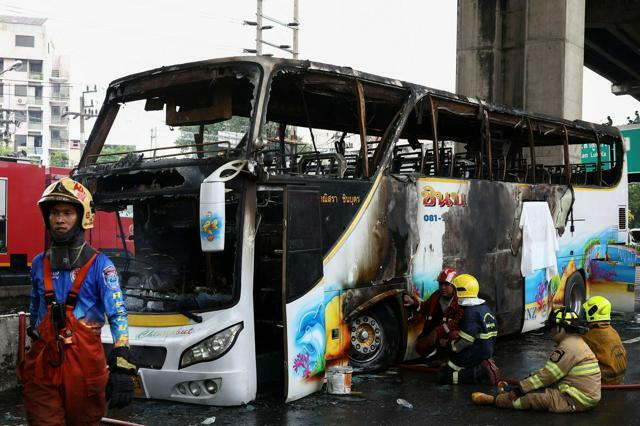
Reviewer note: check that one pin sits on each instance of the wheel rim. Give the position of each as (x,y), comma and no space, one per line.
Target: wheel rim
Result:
(367,338)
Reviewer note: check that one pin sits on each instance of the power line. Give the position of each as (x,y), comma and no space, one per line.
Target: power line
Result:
(293,25)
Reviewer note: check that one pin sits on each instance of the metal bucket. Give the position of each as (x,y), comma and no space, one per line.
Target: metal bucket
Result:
(339,380)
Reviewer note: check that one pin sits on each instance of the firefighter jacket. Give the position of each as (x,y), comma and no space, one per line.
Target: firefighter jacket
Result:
(573,369)
(605,343)
(99,296)
(445,323)
(478,332)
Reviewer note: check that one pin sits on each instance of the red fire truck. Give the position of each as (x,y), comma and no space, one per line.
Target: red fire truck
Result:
(22,233)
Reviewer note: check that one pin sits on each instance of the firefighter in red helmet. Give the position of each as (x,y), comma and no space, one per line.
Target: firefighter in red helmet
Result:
(442,314)
(74,288)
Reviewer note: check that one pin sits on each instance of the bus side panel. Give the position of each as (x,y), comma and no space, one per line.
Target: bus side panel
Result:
(468,225)
(596,217)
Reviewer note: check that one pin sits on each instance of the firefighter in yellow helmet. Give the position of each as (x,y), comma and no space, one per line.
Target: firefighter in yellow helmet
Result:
(472,351)
(569,381)
(604,340)
(74,287)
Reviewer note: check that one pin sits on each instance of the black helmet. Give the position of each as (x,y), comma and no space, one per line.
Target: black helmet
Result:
(563,317)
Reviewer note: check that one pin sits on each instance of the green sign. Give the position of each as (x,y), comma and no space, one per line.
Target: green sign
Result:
(633,156)
(589,155)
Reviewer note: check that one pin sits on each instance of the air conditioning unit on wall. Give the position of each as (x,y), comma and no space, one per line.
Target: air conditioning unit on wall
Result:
(21,101)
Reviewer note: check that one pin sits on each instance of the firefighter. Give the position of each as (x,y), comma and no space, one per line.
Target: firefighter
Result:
(604,340)
(569,381)
(442,314)
(470,361)
(74,287)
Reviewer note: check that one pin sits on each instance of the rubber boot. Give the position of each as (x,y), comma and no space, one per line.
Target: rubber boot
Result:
(480,398)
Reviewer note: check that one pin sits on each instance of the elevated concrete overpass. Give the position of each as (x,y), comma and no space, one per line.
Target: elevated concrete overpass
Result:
(612,43)
(529,54)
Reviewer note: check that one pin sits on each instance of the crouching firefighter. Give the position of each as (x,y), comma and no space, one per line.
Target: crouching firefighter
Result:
(65,375)
(604,340)
(569,381)
(470,361)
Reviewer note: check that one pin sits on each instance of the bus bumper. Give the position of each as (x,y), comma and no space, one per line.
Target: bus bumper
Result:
(229,387)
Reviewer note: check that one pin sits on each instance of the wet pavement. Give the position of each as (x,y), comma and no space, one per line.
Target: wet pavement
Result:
(375,396)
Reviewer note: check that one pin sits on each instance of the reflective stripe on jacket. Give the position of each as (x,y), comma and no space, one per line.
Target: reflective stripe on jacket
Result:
(574,368)
(477,333)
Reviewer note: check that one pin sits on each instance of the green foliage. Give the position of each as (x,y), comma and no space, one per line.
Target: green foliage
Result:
(107,150)
(234,124)
(59,159)
(634,205)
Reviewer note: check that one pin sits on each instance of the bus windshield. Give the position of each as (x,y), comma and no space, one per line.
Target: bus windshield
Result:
(154,125)
(200,114)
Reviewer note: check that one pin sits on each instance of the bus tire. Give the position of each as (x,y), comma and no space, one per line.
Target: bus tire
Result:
(375,339)
(574,292)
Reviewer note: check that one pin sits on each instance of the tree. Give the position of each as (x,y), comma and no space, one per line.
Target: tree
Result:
(105,156)
(634,205)
(235,124)
(59,159)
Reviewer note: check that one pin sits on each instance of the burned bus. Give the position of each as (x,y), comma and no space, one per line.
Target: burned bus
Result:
(282,208)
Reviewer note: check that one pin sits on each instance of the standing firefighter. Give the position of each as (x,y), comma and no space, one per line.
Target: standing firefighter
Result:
(604,340)
(73,288)
(470,361)
(569,381)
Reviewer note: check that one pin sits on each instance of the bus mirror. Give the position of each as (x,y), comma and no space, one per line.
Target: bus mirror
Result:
(564,208)
(212,205)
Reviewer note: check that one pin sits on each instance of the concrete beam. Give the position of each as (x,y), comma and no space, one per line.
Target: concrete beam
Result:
(626,88)
(526,54)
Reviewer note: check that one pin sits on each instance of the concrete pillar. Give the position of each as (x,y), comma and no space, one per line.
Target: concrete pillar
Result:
(527,54)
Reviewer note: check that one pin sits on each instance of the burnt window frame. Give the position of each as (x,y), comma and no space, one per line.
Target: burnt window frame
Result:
(379,161)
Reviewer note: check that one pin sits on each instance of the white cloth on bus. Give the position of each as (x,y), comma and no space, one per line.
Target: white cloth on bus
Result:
(539,240)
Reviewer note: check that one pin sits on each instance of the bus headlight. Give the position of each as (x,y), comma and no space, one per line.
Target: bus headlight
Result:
(212,347)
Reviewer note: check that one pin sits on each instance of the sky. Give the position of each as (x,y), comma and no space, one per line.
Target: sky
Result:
(407,39)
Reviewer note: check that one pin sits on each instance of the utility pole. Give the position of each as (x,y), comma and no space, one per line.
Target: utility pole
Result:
(294,26)
(259,28)
(86,111)
(153,137)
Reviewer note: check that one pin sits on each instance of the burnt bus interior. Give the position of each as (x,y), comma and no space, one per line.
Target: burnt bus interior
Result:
(474,141)
(167,270)
(317,104)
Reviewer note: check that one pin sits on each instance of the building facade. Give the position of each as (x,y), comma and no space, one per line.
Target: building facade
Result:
(35,95)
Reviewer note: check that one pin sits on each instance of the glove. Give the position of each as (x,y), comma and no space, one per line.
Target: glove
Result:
(120,384)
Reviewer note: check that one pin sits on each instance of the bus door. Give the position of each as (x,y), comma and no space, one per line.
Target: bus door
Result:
(304,334)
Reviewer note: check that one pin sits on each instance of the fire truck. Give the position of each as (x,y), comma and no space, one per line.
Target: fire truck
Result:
(22,232)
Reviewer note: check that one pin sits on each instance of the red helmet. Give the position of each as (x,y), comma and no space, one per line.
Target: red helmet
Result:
(447,275)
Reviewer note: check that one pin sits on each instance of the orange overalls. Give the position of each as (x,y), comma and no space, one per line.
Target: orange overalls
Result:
(65,372)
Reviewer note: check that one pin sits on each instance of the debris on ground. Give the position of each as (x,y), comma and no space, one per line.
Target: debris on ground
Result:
(209,421)
(404,403)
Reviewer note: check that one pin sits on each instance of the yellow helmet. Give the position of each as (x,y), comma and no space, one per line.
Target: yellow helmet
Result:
(466,286)
(68,191)
(597,308)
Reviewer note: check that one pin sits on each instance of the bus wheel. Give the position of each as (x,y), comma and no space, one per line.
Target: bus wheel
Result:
(375,339)
(574,292)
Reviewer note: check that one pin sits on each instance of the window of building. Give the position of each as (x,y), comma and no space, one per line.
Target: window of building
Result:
(35,116)
(25,41)
(1,64)
(36,140)
(21,140)
(1,89)
(20,90)
(35,91)
(35,66)
(56,111)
